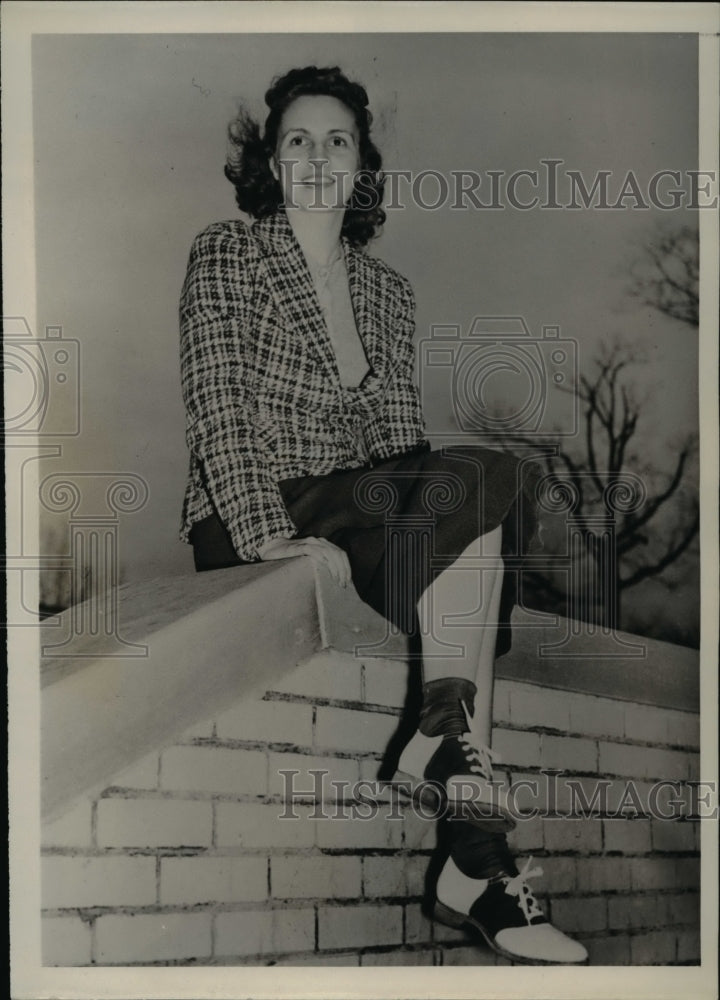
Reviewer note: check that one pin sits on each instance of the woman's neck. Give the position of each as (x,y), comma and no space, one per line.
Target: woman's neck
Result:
(318,233)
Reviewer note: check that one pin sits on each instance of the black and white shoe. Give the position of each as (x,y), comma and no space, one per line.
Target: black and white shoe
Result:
(507,915)
(455,772)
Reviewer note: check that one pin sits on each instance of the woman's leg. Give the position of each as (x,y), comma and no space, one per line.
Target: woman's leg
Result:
(458,617)
(479,885)
(474,595)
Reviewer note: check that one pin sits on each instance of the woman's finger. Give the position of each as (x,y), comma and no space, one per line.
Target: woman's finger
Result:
(334,558)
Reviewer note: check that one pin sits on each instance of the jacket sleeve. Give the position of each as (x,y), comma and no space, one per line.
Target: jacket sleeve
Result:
(399,425)
(217,373)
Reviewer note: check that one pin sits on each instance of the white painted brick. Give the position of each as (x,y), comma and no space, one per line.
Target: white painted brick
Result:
(625,912)
(568,753)
(343,960)
(303,783)
(359,926)
(687,872)
(326,675)
(527,835)
(683,908)
(468,955)
(326,877)
(501,701)
(369,770)
(613,950)
(630,796)
(652,873)
(531,705)
(559,875)
(576,835)
(669,764)
(258,826)
(344,729)
(418,928)
(65,941)
(384,876)
(419,834)
(655,948)
(105,881)
(385,794)
(73,829)
(669,835)
(646,723)
(667,801)
(688,945)
(642,762)
(594,716)
(683,728)
(264,932)
(584,795)
(415,874)
(212,880)
(217,770)
(631,836)
(377,832)
(386,682)
(603,874)
(532,791)
(153,823)
(517,749)
(143,774)
(573,915)
(576,794)
(397,958)
(448,935)
(268,722)
(152,937)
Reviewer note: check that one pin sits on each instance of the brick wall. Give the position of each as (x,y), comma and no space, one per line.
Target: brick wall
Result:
(183,859)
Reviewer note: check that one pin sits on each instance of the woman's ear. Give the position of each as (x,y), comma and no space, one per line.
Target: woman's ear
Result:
(274,168)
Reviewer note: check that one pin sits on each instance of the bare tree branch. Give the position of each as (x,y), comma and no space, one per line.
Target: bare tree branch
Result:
(666,276)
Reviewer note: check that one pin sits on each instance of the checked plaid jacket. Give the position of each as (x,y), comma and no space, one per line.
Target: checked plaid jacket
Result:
(262,390)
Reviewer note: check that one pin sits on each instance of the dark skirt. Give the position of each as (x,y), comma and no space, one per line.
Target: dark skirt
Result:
(404,520)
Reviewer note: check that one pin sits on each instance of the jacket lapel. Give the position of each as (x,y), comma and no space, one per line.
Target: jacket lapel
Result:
(294,293)
(293,290)
(367,309)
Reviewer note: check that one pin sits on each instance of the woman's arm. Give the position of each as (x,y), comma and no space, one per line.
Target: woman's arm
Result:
(217,371)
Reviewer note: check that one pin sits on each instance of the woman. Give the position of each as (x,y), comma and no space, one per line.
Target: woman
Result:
(305,427)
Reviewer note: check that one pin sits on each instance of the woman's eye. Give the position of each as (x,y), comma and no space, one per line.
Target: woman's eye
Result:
(296,140)
(337,140)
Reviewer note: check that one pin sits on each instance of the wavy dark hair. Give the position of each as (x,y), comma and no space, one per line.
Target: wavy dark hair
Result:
(258,193)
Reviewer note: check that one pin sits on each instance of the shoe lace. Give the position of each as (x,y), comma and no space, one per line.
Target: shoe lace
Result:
(479,755)
(517,886)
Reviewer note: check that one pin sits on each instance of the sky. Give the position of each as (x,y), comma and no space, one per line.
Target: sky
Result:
(129,146)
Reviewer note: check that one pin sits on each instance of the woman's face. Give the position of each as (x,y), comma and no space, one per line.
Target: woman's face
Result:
(317,154)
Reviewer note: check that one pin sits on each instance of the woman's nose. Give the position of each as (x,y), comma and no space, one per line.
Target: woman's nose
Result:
(318,154)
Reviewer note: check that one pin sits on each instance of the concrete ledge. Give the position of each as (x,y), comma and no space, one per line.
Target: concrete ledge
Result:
(624,666)
(211,638)
(205,640)
(664,675)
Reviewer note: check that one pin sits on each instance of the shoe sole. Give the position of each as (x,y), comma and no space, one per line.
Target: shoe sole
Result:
(461,921)
(496,820)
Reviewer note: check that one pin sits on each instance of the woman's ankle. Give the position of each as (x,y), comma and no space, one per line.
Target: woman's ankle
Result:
(442,712)
(479,853)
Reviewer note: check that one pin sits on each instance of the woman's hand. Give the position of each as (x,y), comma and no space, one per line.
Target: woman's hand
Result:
(321,551)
